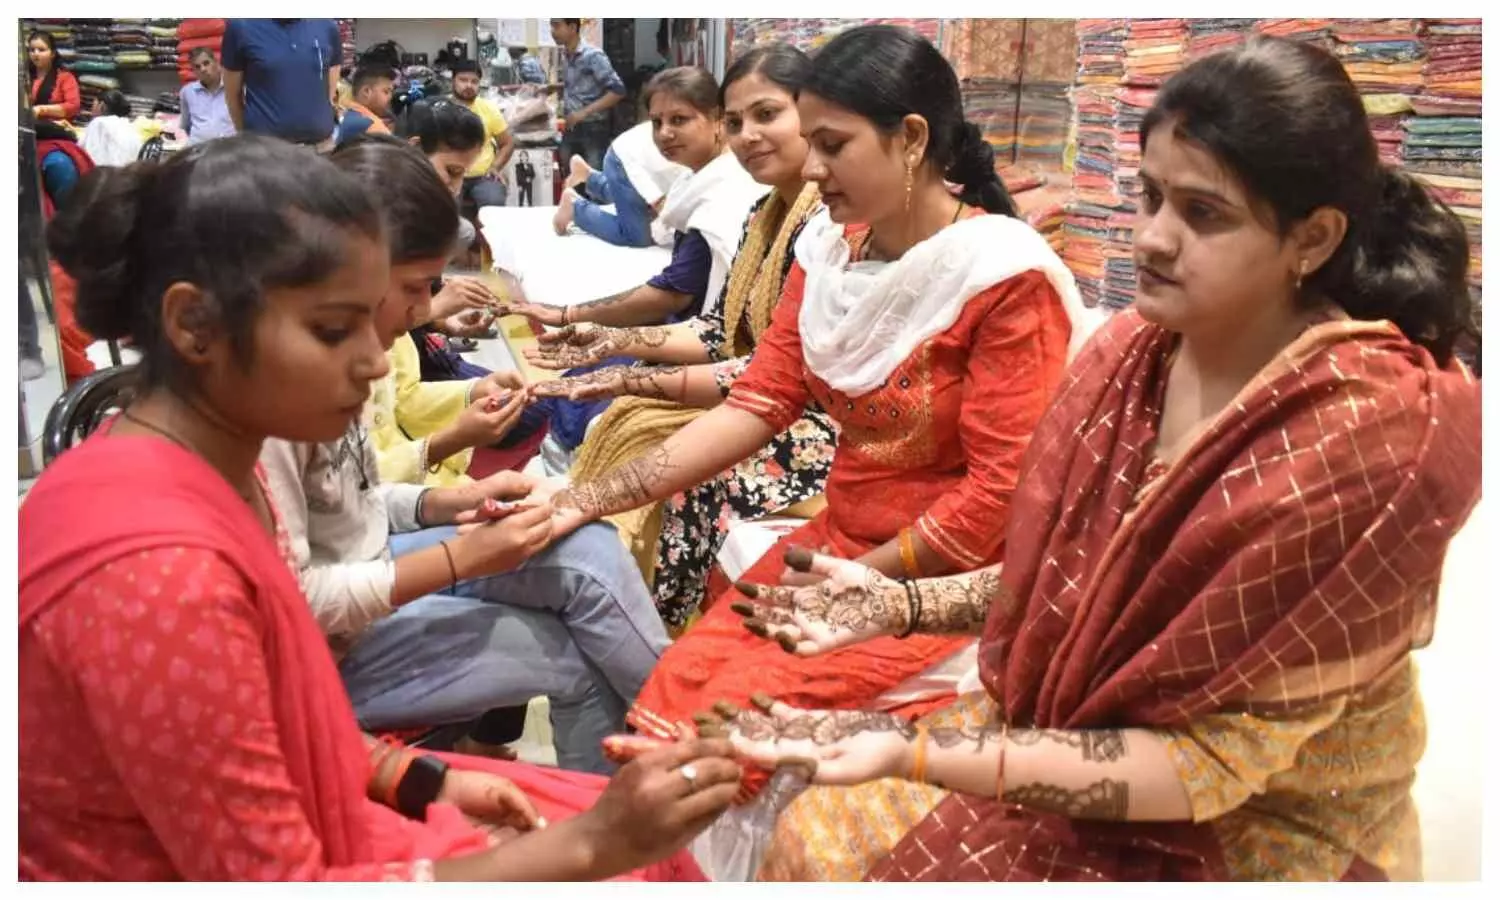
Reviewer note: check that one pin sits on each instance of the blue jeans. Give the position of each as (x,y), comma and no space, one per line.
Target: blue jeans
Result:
(630,224)
(59,175)
(575,622)
(483,191)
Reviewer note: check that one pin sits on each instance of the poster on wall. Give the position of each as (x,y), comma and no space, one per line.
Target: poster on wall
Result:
(529,177)
(511,32)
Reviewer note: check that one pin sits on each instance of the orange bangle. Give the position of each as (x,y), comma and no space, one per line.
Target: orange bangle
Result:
(390,789)
(919,757)
(908,553)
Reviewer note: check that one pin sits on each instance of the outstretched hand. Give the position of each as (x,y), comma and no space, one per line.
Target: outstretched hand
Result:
(837,747)
(850,604)
(582,344)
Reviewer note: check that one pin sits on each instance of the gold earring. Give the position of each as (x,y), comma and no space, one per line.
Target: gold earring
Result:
(909,168)
(1301,273)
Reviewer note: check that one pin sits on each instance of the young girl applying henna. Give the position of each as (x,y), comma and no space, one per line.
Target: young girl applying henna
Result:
(1199,667)
(180,715)
(935,405)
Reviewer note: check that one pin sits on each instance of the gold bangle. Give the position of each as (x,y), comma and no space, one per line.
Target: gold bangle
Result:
(1000,769)
(908,553)
(919,757)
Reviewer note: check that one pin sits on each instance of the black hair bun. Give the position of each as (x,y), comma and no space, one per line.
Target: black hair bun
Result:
(973,158)
(89,238)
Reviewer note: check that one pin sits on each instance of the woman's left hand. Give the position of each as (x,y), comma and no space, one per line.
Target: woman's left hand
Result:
(848,604)
(838,747)
(491,799)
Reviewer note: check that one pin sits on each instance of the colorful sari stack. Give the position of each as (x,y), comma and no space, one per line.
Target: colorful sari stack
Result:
(1207,36)
(1094,198)
(991,105)
(130,42)
(1154,50)
(1444,140)
(1101,50)
(1382,56)
(809,34)
(1041,124)
(1310,30)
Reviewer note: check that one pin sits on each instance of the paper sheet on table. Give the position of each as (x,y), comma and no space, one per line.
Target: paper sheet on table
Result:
(563,271)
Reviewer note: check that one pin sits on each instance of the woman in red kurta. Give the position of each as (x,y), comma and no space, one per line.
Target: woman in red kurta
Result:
(180,713)
(54,90)
(934,336)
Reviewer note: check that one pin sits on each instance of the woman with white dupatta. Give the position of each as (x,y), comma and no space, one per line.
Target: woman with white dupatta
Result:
(933,328)
(706,209)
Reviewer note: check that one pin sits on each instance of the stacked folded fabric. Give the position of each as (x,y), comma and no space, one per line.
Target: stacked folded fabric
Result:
(1454,48)
(168,102)
(1041,127)
(1095,198)
(1101,50)
(350,51)
(809,34)
(140,106)
(90,49)
(130,42)
(991,105)
(1154,50)
(1314,31)
(1380,55)
(1206,36)
(163,43)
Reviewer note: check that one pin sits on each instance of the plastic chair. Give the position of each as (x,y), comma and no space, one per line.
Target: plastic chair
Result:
(84,406)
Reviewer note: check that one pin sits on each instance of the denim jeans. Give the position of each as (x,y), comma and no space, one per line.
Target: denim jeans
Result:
(483,192)
(630,224)
(575,622)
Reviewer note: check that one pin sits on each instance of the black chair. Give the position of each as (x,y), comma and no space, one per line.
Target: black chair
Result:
(151,151)
(83,407)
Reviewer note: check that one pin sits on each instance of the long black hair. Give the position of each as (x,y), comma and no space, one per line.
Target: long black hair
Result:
(43,94)
(420,221)
(235,217)
(885,73)
(781,64)
(1286,120)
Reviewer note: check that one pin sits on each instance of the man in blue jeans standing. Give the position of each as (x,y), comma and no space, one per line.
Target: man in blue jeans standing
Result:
(281,77)
(590,87)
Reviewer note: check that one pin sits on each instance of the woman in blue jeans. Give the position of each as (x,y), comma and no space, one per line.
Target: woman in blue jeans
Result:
(636,178)
(432,627)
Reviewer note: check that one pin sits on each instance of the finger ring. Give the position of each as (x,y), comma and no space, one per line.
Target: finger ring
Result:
(690,774)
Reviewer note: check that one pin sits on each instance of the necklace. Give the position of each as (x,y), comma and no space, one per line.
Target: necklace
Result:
(137,420)
(867,248)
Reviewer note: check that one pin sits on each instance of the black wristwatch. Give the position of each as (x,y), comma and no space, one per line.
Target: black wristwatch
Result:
(420,786)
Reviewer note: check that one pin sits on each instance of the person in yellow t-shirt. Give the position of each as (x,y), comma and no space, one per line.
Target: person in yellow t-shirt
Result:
(484,183)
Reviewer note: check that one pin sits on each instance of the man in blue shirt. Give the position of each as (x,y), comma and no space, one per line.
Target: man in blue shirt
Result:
(205,112)
(281,77)
(590,87)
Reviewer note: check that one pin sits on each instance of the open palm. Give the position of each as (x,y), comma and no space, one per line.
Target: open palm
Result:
(853,603)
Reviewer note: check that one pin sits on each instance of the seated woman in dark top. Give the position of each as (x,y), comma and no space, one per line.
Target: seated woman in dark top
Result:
(706,209)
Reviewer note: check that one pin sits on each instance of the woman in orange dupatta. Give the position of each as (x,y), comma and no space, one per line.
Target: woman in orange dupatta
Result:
(934,337)
(1227,538)
(180,714)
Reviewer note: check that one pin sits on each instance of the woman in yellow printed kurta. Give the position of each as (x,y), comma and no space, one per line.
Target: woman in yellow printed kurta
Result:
(425,432)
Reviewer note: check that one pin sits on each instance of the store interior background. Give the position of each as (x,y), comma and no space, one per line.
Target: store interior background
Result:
(1058,99)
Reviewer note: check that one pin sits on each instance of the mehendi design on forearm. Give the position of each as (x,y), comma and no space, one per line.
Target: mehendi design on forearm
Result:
(586,344)
(958,604)
(1101,745)
(625,488)
(1107,799)
(645,381)
(820,728)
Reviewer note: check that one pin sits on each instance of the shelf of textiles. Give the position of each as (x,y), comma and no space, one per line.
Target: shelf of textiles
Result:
(810,34)
(104,53)
(1419,78)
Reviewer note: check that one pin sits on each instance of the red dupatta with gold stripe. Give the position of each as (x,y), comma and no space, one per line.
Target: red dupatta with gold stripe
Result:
(1290,556)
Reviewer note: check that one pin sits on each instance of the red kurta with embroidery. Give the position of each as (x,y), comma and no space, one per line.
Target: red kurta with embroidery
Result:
(937,447)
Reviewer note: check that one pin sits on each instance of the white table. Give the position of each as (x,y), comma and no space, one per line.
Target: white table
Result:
(563,271)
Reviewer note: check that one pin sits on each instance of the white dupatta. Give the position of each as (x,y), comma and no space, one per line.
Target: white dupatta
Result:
(861,320)
(713,201)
